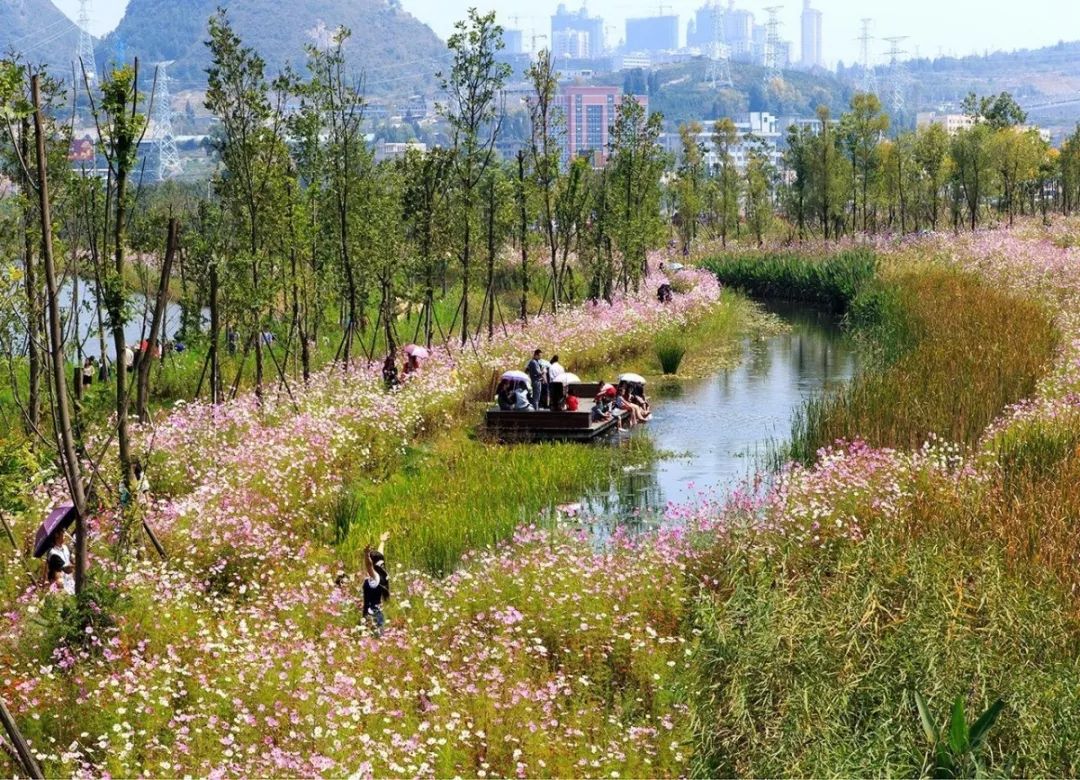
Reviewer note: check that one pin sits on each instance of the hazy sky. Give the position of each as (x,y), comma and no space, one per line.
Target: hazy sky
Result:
(934,26)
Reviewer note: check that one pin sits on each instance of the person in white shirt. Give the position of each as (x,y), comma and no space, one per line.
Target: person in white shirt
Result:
(555,370)
(59,568)
(129,358)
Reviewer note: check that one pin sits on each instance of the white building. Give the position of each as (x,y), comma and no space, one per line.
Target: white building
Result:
(760,126)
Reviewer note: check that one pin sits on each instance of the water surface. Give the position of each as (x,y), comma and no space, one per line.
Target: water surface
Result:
(717,431)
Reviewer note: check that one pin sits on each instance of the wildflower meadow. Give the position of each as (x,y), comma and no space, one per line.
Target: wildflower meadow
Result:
(780,630)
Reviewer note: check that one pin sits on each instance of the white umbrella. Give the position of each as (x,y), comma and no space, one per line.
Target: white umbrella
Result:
(636,379)
(568,378)
(418,352)
(519,376)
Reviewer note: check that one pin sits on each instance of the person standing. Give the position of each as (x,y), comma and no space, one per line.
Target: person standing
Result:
(555,370)
(376,584)
(535,370)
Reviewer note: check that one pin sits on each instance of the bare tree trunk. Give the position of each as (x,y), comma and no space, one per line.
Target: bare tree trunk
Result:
(142,402)
(33,300)
(491,258)
(68,456)
(215,336)
(465,275)
(524,226)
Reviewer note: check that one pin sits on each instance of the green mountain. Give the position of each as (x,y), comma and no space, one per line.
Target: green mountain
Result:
(39,31)
(397,53)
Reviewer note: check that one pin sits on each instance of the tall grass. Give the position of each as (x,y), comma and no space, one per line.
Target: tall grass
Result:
(831,282)
(809,670)
(670,349)
(461,494)
(954,353)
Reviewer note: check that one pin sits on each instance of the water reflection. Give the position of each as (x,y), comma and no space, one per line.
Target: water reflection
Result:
(719,430)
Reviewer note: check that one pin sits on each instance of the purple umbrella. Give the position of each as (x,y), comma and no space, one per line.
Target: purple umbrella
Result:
(61,517)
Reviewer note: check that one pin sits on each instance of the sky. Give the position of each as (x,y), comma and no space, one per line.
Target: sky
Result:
(934,27)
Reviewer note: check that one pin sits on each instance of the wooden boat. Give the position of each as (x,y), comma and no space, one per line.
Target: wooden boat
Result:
(545,425)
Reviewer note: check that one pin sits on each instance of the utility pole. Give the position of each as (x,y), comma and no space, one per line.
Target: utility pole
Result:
(85,52)
(869,83)
(168,155)
(720,66)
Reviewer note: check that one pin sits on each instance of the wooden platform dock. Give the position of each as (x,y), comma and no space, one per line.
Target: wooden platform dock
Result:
(545,425)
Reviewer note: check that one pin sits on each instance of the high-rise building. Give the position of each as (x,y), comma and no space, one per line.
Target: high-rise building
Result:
(702,29)
(739,33)
(592,26)
(570,43)
(811,37)
(653,33)
(590,112)
(513,42)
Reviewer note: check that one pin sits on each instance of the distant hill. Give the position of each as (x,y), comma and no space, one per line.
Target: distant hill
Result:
(398,53)
(1041,79)
(684,92)
(39,31)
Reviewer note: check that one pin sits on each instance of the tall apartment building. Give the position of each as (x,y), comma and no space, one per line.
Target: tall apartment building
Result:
(590,112)
(652,33)
(591,26)
(811,37)
(570,43)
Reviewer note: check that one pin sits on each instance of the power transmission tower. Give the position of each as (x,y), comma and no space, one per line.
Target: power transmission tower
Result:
(85,52)
(772,42)
(897,73)
(869,82)
(168,155)
(720,66)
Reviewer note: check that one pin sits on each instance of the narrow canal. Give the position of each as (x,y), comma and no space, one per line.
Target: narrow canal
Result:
(715,432)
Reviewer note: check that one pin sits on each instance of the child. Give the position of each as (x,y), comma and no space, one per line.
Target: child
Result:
(376,585)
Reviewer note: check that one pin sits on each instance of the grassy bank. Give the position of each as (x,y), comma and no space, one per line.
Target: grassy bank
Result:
(952,352)
(458,494)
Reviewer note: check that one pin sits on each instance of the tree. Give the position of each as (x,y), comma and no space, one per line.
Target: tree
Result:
(725,136)
(998,111)
(473,85)
(759,178)
(862,130)
(335,104)
(932,158)
(970,151)
(249,147)
(825,169)
(1016,156)
(544,154)
(690,183)
(636,162)
(120,127)
(799,160)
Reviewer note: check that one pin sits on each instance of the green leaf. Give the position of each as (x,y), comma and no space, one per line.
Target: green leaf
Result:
(985,721)
(958,732)
(928,726)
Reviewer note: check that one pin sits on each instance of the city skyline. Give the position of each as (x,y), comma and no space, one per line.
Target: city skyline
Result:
(949,32)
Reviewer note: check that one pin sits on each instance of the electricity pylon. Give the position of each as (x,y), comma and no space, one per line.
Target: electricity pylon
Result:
(85,51)
(720,66)
(869,82)
(168,154)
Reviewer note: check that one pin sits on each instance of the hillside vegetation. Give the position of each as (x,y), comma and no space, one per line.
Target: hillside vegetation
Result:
(396,52)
